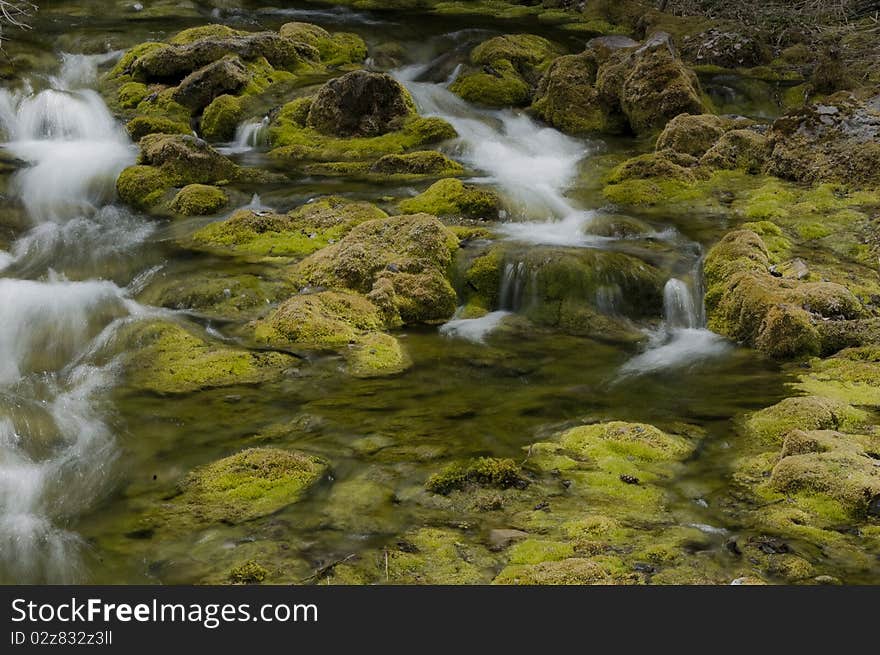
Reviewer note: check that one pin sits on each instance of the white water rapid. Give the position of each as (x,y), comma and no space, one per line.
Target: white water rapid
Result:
(56,449)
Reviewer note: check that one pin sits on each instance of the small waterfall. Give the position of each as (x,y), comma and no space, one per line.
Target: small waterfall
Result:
(679,308)
(249,136)
(534,165)
(514,281)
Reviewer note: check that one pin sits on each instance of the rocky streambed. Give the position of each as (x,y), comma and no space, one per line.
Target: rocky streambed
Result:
(434,293)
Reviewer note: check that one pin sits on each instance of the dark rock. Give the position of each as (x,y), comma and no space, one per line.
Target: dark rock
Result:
(360,104)
(198,89)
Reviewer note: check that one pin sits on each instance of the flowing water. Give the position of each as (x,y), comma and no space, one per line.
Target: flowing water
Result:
(83,457)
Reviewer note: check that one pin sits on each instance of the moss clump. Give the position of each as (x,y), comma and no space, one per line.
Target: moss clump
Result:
(186,159)
(325,319)
(635,442)
(199,200)
(482,471)
(212,31)
(162,105)
(568,99)
(400,262)
(483,279)
(453,197)
(168,359)
(249,572)
(504,70)
(745,150)
(300,232)
(247,485)
(436,556)
(772,424)
(131,94)
(337,49)
(570,571)
(535,551)
(693,134)
(221,118)
(142,186)
(376,355)
(140,126)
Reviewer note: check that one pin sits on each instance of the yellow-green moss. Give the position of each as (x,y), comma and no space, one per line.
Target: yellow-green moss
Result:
(249,572)
(770,425)
(451,196)
(140,126)
(142,186)
(199,200)
(377,354)
(168,359)
(221,118)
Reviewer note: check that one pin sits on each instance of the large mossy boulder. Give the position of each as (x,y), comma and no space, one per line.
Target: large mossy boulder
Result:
(256,234)
(243,487)
(778,316)
(837,140)
(166,358)
(504,70)
(617,85)
(400,262)
(360,104)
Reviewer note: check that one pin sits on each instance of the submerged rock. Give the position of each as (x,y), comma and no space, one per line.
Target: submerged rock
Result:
(168,359)
(245,486)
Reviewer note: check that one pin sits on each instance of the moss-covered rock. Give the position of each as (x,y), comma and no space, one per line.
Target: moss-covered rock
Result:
(569,571)
(294,141)
(199,200)
(186,159)
(140,126)
(482,471)
(422,162)
(221,118)
(436,556)
(324,319)
(377,354)
(131,94)
(852,376)
(302,231)
(400,261)
(142,186)
(772,424)
(245,486)
(775,315)
(834,141)
(738,149)
(249,572)
(168,359)
(657,86)
(693,134)
(452,197)
(337,49)
(198,89)
(360,104)
(567,98)
(505,69)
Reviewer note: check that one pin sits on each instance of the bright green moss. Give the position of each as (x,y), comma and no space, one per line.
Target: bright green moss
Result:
(325,319)
(451,196)
(535,551)
(483,279)
(131,94)
(221,118)
(770,425)
(140,126)
(168,359)
(436,556)
(199,200)
(163,105)
(377,355)
(194,34)
(571,571)
(632,441)
(142,186)
(337,49)
(501,88)
(247,485)
(851,376)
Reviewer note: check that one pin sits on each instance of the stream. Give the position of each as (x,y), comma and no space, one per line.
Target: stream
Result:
(82,456)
